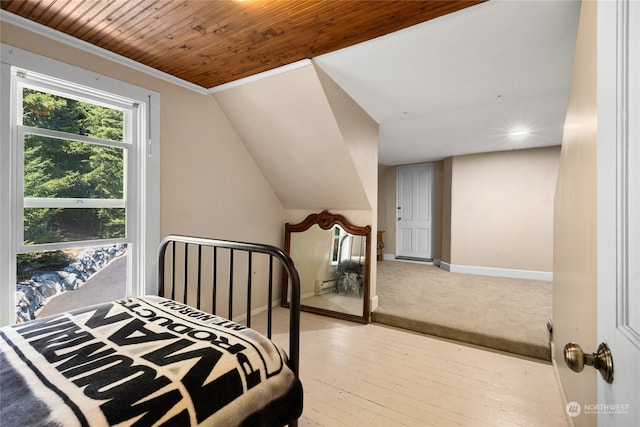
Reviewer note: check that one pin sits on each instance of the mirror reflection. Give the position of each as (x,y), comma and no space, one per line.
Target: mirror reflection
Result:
(331,256)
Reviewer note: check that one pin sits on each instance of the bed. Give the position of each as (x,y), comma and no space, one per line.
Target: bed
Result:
(172,359)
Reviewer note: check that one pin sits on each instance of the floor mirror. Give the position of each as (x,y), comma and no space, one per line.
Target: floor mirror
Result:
(333,259)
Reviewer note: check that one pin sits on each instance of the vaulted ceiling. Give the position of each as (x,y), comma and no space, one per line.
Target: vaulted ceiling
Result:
(209,43)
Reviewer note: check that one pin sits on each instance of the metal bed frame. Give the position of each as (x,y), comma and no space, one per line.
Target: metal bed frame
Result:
(186,260)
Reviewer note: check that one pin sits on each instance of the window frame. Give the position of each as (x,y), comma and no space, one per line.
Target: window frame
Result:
(133,117)
(335,244)
(142,188)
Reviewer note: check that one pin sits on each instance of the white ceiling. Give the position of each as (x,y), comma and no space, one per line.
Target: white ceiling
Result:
(460,83)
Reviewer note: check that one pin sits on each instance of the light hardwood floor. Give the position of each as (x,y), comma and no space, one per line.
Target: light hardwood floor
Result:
(374,375)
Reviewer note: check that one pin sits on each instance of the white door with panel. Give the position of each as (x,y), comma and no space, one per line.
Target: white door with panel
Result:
(619,209)
(414,212)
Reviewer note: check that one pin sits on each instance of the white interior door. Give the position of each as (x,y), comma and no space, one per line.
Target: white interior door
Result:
(414,211)
(619,209)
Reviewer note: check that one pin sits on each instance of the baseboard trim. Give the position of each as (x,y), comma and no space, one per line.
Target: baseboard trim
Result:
(497,272)
(373,304)
(389,257)
(393,257)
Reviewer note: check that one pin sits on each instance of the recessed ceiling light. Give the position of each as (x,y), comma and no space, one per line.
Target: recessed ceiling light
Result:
(519,133)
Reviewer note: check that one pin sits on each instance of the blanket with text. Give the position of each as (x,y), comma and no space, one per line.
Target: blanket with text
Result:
(146,361)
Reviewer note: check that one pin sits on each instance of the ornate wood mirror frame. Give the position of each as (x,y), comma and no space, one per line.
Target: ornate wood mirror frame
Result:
(333,258)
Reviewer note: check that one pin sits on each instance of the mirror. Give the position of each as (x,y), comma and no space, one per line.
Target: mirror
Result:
(333,259)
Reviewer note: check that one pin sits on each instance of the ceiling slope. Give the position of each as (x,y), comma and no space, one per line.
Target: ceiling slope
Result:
(288,126)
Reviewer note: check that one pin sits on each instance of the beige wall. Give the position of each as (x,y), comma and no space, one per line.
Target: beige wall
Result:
(575,244)
(200,154)
(491,210)
(298,128)
(502,209)
(387,206)
(314,144)
(438,209)
(360,134)
(210,186)
(447,176)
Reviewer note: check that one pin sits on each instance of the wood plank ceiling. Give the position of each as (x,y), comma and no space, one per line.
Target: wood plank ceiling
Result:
(209,43)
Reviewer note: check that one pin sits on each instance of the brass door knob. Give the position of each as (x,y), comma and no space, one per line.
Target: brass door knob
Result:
(602,360)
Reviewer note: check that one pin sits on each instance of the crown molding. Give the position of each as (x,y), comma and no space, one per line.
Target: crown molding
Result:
(42,30)
(45,31)
(269,73)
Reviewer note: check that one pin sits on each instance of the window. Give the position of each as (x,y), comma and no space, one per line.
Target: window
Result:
(74,154)
(80,168)
(337,235)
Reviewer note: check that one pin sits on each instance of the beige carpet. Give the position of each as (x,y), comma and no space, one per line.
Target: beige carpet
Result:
(499,313)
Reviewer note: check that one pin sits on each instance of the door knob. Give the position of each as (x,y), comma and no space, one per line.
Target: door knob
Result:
(602,360)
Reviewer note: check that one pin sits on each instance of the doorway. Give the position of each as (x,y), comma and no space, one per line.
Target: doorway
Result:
(414,197)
